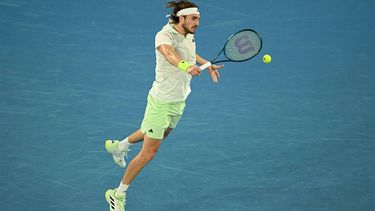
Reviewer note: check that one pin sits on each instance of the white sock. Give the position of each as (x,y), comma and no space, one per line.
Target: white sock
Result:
(122,188)
(124,144)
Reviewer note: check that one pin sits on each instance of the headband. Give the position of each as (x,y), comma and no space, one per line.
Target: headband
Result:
(188,11)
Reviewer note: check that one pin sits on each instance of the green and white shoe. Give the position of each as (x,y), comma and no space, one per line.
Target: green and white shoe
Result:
(115,203)
(112,146)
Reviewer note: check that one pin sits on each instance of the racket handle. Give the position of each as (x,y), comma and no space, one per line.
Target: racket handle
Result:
(205,65)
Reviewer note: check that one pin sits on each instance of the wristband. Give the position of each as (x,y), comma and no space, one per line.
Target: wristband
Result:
(184,65)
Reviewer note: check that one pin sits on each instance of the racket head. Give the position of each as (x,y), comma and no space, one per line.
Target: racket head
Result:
(242,45)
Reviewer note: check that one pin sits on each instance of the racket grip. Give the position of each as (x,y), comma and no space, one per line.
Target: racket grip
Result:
(205,65)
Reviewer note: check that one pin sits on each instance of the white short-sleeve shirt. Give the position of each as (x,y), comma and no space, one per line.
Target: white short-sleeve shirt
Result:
(171,84)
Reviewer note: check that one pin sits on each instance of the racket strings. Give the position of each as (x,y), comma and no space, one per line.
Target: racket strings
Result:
(243,46)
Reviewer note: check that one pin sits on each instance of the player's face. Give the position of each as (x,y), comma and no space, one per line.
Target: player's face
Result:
(191,23)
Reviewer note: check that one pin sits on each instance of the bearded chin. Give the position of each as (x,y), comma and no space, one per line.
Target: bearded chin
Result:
(187,29)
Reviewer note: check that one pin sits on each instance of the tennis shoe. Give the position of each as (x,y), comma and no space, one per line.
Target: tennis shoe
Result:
(115,203)
(112,146)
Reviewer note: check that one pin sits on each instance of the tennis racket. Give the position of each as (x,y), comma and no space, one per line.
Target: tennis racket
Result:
(240,46)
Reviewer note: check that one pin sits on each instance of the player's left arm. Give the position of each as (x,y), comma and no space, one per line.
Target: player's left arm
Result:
(213,69)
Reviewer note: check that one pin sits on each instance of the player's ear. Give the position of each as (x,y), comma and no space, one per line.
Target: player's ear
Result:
(182,19)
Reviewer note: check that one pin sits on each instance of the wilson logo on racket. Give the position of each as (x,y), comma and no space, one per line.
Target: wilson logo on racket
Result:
(244,45)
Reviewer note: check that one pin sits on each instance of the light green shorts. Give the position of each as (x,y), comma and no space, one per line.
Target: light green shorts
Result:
(159,116)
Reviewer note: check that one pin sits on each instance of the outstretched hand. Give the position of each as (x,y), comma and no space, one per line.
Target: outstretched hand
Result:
(214,73)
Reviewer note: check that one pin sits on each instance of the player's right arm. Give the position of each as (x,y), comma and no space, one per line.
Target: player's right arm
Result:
(173,58)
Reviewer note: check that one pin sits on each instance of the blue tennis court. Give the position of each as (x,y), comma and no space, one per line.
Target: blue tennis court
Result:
(295,134)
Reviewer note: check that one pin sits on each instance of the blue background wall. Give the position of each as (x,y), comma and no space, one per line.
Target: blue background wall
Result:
(297,134)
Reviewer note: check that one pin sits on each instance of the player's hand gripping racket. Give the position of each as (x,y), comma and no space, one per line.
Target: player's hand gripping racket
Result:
(240,47)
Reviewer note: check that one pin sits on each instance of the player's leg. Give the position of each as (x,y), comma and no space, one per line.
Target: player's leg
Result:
(135,137)
(147,153)
(117,197)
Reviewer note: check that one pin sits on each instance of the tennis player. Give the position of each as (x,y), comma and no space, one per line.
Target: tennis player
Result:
(176,61)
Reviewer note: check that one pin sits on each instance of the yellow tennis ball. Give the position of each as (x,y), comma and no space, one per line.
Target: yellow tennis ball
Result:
(267,58)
